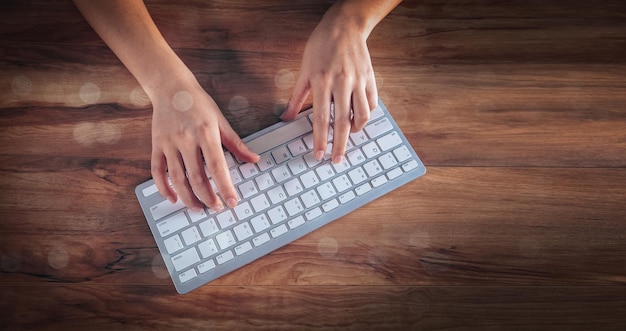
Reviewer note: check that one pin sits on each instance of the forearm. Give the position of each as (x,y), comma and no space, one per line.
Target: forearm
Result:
(127,28)
(360,16)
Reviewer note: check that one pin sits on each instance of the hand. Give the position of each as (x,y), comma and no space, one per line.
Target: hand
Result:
(187,127)
(336,67)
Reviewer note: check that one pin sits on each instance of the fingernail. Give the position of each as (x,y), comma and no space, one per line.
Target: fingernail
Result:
(284,111)
(217,208)
(337,159)
(231,202)
(196,209)
(319,154)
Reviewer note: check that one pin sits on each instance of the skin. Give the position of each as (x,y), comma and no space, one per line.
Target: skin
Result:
(188,128)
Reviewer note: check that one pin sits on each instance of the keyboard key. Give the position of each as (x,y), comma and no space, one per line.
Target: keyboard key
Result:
(248,189)
(225,239)
(310,198)
(277,194)
(243,231)
(294,206)
(150,190)
(206,266)
(371,149)
(346,197)
(173,244)
(281,173)
(280,136)
(295,222)
(260,223)
(409,166)
(325,171)
(378,181)
(330,205)
(207,248)
(309,179)
(310,160)
(185,259)
(266,162)
(372,168)
(326,191)
(235,176)
(260,203)
(342,183)
(165,208)
(341,166)
(389,141)
(357,175)
(224,257)
(297,166)
(376,113)
(230,160)
(356,157)
(277,214)
(196,216)
(293,187)
(308,141)
(387,161)
(402,153)
(378,127)
(296,147)
(394,173)
(278,231)
(281,155)
(358,138)
(187,275)
(264,181)
(226,219)
(362,189)
(243,211)
(261,239)
(243,248)
(191,235)
(172,224)
(313,213)
(248,170)
(208,227)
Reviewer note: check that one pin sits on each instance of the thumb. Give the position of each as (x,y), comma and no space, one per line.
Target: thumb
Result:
(233,143)
(298,96)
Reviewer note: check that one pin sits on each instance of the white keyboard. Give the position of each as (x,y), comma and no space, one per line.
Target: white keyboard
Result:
(284,196)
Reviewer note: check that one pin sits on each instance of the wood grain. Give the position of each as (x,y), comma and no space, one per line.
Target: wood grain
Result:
(517,109)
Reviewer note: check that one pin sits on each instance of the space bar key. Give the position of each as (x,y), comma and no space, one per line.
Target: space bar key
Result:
(280,136)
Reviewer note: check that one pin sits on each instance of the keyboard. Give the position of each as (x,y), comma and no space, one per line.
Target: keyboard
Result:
(283,197)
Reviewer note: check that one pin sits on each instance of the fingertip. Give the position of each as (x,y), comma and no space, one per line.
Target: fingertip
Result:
(231,202)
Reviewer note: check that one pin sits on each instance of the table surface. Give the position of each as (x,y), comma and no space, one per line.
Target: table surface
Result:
(517,108)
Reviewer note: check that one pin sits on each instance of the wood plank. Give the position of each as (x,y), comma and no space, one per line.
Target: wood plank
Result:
(471,226)
(302,307)
(525,115)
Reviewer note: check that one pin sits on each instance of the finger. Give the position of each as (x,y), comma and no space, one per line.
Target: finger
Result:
(321,120)
(159,173)
(231,140)
(360,109)
(176,171)
(218,169)
(198,179)
(342,124)
(372,92)
(298,97)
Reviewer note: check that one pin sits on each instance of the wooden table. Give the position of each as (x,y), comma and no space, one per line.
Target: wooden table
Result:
(517,108)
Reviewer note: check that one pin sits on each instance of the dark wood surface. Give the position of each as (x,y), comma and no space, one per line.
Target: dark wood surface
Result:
(517,108)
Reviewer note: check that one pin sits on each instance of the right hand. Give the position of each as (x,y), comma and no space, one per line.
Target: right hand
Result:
(187,128)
